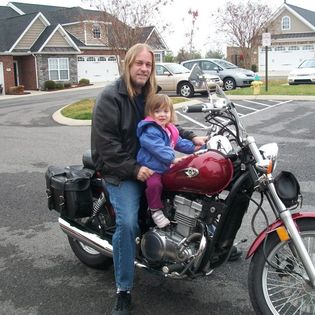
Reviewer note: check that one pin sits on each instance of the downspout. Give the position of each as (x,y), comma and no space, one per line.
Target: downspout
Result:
(36,74)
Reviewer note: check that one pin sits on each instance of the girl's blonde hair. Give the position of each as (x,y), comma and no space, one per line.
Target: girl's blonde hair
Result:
(131,55)
(158,101)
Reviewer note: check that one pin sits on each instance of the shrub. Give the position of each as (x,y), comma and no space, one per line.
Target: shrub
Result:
(49,85)
(84,82)
(16,90)
(67,85)
(60,86)
(254,68)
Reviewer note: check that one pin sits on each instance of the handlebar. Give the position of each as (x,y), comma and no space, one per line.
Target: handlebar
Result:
(198,108)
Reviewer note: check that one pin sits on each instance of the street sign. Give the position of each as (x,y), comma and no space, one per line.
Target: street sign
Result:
(266,39)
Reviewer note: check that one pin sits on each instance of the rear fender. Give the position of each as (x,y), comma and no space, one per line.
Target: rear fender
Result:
(272,227)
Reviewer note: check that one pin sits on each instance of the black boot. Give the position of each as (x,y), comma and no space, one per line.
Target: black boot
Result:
(123,303)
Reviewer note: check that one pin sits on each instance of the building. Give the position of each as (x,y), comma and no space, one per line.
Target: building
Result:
(292,32)
(40,43)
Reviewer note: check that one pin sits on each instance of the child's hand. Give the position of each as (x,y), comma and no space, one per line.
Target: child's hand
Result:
(179,159)
(198,147)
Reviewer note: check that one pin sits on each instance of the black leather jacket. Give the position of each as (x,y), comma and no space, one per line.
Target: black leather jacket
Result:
(114,142)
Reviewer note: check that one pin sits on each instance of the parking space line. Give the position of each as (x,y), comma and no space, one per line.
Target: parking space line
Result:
(192,120)
(243,106)
(260,110)
(258,103)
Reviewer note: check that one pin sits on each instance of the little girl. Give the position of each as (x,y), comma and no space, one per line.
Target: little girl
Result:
(158,139)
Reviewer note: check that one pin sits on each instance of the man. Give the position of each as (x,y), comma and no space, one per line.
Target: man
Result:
(117,111)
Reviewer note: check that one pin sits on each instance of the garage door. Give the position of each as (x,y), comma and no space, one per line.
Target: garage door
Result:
(285,58)
(98,68)
(1,79)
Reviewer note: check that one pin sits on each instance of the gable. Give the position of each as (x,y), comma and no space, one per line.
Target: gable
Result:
(57,40)
(29,38)
(297,24)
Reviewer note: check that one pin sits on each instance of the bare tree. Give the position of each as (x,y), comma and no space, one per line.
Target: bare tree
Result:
(191,34)
(128,19)
(243,23)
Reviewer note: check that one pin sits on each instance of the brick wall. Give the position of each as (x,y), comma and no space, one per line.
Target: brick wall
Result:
(8,72)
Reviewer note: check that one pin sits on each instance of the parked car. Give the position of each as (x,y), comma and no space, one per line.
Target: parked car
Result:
(231,75)
(304,73)
(173,77)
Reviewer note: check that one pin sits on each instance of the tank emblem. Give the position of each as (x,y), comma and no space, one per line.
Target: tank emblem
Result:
(191,172)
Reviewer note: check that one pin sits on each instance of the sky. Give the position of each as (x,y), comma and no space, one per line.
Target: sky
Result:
(177,16)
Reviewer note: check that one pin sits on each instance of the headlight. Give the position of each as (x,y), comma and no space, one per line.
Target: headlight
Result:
(269,152)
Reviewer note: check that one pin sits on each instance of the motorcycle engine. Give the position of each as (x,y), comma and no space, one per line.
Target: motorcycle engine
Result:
(167,245)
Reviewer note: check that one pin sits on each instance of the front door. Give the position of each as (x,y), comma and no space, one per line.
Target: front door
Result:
(16,73)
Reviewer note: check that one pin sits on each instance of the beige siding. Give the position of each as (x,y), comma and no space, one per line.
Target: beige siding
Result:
(77,30)
(296,25)
(90,40)
(31,35)
(58,41)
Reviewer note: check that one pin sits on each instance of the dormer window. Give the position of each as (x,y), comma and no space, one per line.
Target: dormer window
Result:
(286,23)
(96,30)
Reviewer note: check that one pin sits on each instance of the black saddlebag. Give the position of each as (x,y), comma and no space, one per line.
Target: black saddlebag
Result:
(69,191)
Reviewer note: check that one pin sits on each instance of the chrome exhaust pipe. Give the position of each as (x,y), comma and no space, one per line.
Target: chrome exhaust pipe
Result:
(80,234)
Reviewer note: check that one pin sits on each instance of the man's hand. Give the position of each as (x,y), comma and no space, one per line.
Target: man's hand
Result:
(144,173)
(200,141)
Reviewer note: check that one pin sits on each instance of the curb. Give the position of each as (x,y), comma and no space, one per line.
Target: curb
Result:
(62,120)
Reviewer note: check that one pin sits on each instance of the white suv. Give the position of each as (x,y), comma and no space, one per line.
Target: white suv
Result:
(231,75)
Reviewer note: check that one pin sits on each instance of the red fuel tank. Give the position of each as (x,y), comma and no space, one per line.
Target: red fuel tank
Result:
(207,173)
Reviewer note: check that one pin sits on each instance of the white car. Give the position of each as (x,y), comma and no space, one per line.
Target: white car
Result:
(173,77)
(304,73)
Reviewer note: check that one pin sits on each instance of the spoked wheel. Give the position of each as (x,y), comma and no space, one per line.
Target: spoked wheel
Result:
(281,287)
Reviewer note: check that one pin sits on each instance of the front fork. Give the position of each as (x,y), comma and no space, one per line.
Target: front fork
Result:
(286,217)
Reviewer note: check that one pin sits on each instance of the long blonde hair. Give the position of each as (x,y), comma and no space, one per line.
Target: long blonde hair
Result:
(131,55)
(158,101)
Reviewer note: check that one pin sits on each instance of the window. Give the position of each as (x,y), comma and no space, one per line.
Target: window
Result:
(308,47)
(263,49)
(81,58)
(279,48)
(58,69)
(90,59)
(96,30)
(208,65)
(101,59)
(158,57)
(112,58)
(294,48)
(286,23)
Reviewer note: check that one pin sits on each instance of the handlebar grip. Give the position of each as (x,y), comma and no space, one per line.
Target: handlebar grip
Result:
(198,108)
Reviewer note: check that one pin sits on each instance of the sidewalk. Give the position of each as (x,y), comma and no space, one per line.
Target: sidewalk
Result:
(34,92)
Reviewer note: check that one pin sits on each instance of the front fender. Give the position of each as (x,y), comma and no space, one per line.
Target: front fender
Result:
(272,227)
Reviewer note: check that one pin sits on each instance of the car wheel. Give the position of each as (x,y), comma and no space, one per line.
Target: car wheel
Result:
(229,84)
(185,89)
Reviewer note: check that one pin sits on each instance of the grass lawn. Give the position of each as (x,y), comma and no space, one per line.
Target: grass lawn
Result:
(83,108)
(277,87)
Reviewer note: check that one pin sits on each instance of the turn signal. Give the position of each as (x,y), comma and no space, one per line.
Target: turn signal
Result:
(283,234)
(269,168)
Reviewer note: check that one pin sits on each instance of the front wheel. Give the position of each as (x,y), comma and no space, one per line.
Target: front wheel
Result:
(280,287)
(229,84)
(89,256)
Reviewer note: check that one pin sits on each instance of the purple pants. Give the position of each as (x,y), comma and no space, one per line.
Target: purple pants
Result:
(153,191)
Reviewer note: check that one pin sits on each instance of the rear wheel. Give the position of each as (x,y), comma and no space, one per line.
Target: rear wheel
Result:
(185,89)
(282,288)
(229,84)
(89,256)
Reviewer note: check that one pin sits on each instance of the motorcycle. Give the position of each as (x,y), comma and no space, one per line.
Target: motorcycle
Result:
(206,197)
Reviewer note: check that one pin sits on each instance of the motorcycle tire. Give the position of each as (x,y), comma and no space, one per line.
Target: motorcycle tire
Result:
(280,288)
(89,256)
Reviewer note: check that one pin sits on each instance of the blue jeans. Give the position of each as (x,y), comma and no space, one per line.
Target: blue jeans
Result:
(125,199)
